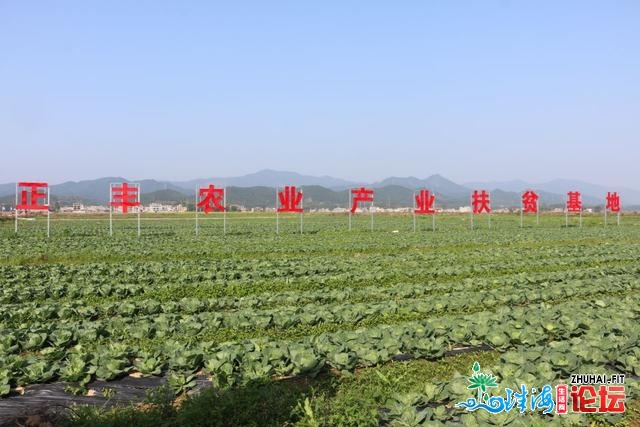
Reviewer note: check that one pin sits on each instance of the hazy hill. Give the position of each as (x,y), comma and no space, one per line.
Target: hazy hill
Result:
(266,178)
(436,183)
(592,193)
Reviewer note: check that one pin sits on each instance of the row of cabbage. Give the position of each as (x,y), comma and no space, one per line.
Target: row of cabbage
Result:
(55,281)
(441,294)
(573,336)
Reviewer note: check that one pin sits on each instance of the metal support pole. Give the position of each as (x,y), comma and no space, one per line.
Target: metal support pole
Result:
(371,212)
(489,220)
(196,206)
(15,209)
(618,218)
(277,215)
(139,209)
(110,210)
(566,219)
(581,218)
(224,214)
(521,216)
(349,207)
(537,213)
(605,216)
(414,211)
(48,212)
(433,221)
(301,213)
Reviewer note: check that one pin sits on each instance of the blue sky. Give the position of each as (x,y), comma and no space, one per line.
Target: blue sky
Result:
(359,90)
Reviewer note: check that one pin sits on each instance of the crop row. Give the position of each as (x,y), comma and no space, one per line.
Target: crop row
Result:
(560,328)
(300,307)
(32,337)
(120,281)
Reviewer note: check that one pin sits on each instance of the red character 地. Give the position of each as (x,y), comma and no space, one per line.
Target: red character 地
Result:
(613,202)
(125,196)
(290,199)
(360,195)
(481,202)
(574,202)
(424,202)
(30,195)
(530,202)
(211,199)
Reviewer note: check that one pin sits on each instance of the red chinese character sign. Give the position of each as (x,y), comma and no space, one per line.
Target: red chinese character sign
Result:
(123,197)
(529,206)
(289,200)
(613,206)
(32,196)
(423,204)
(574,205)
(211,199)
(357,196)
(480,202)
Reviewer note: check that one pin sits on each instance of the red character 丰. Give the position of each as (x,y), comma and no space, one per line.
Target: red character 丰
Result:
(360,195)
(424,202)
(530,202)
(210,199)
(30,195)
(481,202)
(574,203)
(290,199)
(125,196)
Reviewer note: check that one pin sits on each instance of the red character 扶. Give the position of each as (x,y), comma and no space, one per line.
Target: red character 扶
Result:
(481,202)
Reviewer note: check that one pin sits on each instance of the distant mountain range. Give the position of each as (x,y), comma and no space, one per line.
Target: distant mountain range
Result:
(257,190)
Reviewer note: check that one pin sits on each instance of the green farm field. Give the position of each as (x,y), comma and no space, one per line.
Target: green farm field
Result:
(328,327)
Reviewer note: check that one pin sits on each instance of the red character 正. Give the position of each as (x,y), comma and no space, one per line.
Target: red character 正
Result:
(31,194)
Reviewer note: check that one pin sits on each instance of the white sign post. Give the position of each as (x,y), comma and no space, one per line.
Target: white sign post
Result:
(124,195)
(29,195)
(289,200)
